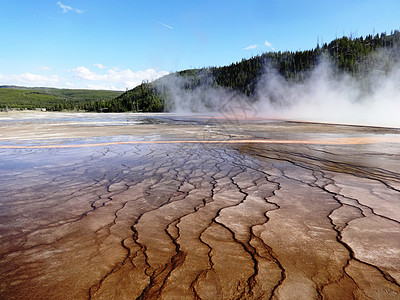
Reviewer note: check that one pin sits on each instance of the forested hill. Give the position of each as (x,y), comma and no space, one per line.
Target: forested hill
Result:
(19,97)
(351,55)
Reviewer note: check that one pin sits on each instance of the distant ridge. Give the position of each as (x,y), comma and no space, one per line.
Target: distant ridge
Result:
(52,99)
(18,87)
(12,87)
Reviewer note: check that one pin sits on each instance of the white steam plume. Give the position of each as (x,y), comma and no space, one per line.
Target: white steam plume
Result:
(184,96)
(372,98)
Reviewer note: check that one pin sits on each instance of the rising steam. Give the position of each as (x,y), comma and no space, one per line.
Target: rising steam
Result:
(373,98)
(370,98)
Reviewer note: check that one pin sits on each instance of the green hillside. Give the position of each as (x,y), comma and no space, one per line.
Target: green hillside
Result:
(15,97)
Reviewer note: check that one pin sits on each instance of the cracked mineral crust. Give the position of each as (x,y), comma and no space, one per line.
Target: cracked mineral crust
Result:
(211,209)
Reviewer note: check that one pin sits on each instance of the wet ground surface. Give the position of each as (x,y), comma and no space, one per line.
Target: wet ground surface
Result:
(172,207)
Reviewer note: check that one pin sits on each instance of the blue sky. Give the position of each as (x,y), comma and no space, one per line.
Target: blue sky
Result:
(117,44)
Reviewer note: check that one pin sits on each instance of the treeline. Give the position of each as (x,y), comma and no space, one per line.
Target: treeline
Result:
(15,97)
(354,55)
(350,55)
(143,98)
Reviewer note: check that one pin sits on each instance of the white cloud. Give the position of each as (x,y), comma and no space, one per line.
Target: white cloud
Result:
(85,73)
(268,44)
(30,79)
(101,87)
(251,47)
(255,46)
(44,68)
(114,78)
(67,8)
(100,66)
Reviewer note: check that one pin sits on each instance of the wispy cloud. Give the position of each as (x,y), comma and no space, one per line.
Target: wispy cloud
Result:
(251,47)
(66,8)
(255,46)
(268,44)
(100,66)
(165,25)
(44,68)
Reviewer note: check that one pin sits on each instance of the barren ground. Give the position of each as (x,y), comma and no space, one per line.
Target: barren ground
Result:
(125,206)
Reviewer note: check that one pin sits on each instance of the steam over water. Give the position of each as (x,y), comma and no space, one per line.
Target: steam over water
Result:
(371,97)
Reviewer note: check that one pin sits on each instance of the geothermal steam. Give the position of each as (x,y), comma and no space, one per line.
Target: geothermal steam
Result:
(371,98)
